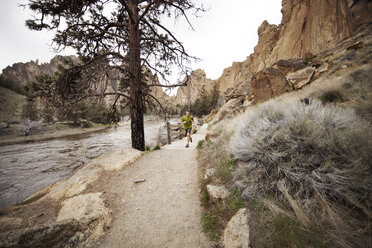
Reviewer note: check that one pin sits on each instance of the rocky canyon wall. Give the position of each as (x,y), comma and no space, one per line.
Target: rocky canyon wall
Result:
(361,13)
(307,27)
(292,54)
(22,73)
(311,27)
(197,84)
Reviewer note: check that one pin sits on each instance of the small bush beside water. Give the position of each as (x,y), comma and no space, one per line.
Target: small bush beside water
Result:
(157,147)
(303,167)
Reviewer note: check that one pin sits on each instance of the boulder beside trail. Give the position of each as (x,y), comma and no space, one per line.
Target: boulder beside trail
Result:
(236,234)
(217,192)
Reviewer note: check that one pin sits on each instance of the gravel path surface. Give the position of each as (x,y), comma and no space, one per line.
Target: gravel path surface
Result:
(162,211)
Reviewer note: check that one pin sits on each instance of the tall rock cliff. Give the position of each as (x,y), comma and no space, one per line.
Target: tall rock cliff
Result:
(311,27)
(361,13)
(241,72)
(22,73)
(197,84)
(306,27)
(290,55)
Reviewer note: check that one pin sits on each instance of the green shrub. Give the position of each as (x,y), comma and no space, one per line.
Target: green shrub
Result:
(332,96)
(205,199)
(48,113)
(235,200)
(225,169)
(211,225)
(157,147)
(200,144)
(98,114)
(29,111)
(147,148)
(288,233)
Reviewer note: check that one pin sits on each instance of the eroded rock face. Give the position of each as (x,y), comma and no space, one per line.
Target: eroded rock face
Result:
(307,44)
(301,77)
(236,234)
(308,27)
(155,91)
(361,12)
(230,76)
(198,84)
(311,27)
(290,65)
(22,73)
(268,35)
(240,72)
(269,83)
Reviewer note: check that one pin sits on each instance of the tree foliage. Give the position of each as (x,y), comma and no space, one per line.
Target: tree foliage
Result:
(115,38)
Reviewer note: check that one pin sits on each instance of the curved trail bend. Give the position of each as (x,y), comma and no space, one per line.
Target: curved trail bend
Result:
(164,210)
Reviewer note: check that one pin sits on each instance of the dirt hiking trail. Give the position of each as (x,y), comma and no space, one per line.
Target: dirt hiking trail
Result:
(162,211)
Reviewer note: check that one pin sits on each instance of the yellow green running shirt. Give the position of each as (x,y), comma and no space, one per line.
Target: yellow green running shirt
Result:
(188,123)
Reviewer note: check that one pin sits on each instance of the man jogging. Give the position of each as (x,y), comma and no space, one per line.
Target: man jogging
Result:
(187,121)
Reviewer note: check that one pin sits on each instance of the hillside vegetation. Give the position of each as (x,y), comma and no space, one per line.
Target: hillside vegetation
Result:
(10,104)
(302,169)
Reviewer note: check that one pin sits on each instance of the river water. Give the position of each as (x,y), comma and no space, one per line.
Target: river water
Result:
(27,168)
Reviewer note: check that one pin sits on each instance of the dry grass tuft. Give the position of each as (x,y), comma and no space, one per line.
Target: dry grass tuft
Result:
(315,160)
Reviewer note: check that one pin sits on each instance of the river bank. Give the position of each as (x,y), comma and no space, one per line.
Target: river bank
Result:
(67,211)
(79,210)
(53,131)
(25,168)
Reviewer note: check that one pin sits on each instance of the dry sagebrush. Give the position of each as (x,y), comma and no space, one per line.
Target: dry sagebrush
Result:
(314,161)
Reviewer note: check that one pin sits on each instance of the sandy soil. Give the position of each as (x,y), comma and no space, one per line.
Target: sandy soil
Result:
(162,211)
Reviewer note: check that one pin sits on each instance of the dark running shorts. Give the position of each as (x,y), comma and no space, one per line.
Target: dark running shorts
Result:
(188,130)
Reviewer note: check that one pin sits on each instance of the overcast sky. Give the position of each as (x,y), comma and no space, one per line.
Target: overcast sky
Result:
(224,34)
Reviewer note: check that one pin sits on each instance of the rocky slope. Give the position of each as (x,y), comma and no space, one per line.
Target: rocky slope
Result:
(314,39)
(10,105)
(197,84)
(22,73)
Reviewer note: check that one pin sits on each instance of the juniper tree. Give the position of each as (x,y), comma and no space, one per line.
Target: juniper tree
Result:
(114,36)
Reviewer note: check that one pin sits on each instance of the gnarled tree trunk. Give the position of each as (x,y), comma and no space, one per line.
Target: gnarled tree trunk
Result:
(136,98)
